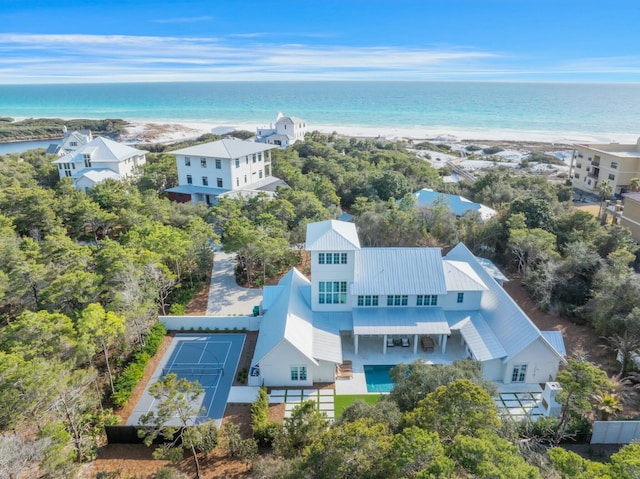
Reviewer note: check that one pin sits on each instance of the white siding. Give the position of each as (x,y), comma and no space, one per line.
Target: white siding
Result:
(542,363)
(325,372)
(332,272)
(275,367)
(471,302)
(492,370)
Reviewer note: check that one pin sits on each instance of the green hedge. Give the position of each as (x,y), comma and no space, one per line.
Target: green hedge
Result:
(127,380)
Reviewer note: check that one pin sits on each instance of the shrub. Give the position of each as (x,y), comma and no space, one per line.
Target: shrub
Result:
(177,309)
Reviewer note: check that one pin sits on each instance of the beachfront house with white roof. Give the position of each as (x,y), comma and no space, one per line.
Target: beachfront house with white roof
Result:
(221,168)
(98,160)
(363,303)
(614,162)
(286,131)
(427,198)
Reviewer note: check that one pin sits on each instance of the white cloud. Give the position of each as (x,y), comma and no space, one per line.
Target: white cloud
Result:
(33,58)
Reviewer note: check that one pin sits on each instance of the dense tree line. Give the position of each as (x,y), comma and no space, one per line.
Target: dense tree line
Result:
(45,128)
(82,279)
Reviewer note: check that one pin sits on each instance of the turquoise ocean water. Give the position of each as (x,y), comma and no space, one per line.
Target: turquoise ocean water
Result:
(560,110)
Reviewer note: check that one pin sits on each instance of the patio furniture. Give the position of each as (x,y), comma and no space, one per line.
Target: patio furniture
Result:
(427,344)
(405,342)
(390,342)
(344,371)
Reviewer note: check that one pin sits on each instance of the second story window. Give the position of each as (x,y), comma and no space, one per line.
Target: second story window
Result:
(205,181)
(218,164)
(614,165)
(219,182)
(203,162)
(427,300)
(187,161)
(332,292)
(189,180)
(368,300)
(254,158)
(460,297)
(237,163)
(397,300)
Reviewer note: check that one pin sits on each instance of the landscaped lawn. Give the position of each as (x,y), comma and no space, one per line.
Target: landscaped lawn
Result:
(343,401)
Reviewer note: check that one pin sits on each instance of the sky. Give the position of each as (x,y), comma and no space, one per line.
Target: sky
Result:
(96,41)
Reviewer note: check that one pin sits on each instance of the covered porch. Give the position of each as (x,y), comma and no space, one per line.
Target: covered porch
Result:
(413,328)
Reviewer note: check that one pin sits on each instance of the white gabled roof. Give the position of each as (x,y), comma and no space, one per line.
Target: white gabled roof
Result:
(386,271)
(477,334)
(102,150)
(460,276)
(98,175)
(556,340)
(228,149)
(288,319)
(409,321)
(510,325)
(332,235)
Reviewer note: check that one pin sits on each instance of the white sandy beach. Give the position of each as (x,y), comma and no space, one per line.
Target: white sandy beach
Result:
(152,131)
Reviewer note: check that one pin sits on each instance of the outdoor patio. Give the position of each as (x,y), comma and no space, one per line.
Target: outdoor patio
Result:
(370,352)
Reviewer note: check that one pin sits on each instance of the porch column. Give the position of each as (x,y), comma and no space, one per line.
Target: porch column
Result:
(384,345)
(415,344)
(355,343)
(444,343)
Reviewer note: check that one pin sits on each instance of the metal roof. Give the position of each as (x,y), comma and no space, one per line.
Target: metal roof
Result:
(490,267)
(97,175)
(510,325)
(288,319)
(101,150)
(332,235)
(388,271)
(458,204)
(409,321)
(327,345)
(555,339)
(227,148)
(460,276)
(477,334)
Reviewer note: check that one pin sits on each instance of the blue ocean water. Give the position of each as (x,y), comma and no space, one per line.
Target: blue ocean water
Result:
(551,109)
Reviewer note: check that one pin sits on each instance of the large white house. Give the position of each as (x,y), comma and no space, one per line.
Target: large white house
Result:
(286,131)
(223,168)
(362,302)
(98,160)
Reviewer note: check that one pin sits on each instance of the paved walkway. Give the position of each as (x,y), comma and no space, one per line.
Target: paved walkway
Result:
(226,298)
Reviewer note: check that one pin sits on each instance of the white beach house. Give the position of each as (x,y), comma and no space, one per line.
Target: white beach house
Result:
(98,160)
(286,131)
(223,168)
(366,302)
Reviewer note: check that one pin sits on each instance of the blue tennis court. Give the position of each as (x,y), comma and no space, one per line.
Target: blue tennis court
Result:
(210,359)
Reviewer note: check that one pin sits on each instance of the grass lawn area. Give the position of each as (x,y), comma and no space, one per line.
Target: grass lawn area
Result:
(343,401)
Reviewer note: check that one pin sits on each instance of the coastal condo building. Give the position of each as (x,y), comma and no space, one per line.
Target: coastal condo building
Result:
(614,162)
(228,167)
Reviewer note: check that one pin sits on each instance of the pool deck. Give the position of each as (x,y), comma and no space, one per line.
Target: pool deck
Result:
(370,353)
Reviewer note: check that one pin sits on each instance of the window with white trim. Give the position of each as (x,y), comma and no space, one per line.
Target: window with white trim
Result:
(189,179)
(203,162)
(218,164)
(298,373)
(187,161)
(237,162)
(519,373)
(460,298)
(368,300)
(397,300)
(332,292)
(205,181)
(427,300)
(219,182)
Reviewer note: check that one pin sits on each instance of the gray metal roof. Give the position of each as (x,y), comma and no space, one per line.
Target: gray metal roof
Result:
(327,345)
(387,271)
(409,321)
(492,269)
(227,148)
(191,189)
(332,235)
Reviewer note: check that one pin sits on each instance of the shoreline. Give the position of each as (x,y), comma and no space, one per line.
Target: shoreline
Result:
(158,131)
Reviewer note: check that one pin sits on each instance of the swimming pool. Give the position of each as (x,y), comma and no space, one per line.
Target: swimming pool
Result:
(378,378)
